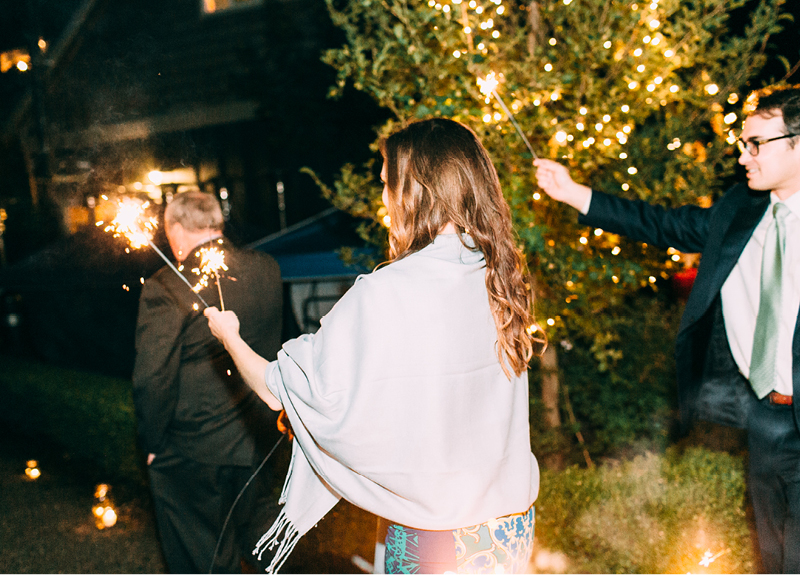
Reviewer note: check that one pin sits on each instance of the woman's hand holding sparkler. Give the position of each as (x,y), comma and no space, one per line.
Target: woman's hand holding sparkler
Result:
(224,325)
(556,182)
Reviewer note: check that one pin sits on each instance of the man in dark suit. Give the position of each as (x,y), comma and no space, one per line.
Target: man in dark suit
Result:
(738,346)
(203,428)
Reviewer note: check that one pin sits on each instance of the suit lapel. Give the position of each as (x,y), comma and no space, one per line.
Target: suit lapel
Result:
(737,235)
(725,247)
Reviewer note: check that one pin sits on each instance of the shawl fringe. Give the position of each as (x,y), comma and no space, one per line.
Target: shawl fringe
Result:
(283,534)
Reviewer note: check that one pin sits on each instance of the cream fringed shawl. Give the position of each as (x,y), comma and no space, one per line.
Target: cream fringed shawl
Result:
(399,404)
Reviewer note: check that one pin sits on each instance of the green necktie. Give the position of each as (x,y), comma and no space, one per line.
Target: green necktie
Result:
(765,341)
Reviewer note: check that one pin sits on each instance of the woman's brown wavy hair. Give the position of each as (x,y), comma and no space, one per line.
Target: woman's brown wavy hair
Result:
(437,172)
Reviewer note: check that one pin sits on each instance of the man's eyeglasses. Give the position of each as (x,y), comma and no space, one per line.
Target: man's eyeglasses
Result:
(751,146)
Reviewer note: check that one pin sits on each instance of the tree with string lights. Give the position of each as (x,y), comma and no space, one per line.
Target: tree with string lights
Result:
(640,99)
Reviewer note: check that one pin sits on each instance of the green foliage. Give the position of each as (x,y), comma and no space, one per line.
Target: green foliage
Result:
(654,514)
(588,82)
(620,385)
(634,399)
(635,97)
(90,415)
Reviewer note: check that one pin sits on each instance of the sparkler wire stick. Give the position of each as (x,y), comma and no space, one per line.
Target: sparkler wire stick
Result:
(179,274)
(488,86)
(219,289)
(514,122)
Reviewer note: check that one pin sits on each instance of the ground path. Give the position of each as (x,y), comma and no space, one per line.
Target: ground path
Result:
(46,525)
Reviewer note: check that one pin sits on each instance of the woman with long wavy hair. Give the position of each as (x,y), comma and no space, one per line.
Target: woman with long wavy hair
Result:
(411,400)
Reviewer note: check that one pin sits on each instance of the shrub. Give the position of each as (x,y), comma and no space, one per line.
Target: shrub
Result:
(652,514)
(622,391)
(90,416)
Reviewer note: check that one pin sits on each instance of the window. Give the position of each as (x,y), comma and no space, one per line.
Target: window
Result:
(216,6)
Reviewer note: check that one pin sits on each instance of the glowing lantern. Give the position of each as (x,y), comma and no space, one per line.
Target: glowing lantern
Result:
(32,469)
(103,510)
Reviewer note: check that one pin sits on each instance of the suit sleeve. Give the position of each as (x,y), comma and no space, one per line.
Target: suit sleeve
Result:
(684,228)
(155,372)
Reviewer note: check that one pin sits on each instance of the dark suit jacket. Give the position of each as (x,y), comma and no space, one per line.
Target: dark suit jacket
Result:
(188,394)
(710,386)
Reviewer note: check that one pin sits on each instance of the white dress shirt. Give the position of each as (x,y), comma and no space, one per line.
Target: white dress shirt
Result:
(742,290)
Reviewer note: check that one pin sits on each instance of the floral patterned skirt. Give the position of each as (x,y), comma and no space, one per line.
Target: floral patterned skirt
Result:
(502,545)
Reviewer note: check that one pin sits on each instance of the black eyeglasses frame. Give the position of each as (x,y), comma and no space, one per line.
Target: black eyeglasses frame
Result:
(752,146)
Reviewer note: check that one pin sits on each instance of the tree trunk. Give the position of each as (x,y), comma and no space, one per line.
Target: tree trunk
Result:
(550,386)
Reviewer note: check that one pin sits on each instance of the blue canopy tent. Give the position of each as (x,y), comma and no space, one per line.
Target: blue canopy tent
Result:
(314,275)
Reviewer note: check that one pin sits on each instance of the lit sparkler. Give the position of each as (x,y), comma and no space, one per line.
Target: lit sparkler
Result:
(709,558)
(132,223)
(488,86)
(211,261)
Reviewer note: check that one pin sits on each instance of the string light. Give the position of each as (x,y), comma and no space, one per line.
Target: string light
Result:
(648,76)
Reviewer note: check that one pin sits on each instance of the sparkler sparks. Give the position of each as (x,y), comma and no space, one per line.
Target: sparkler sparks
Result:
(709,558)
(211,261)
(488,86)
(132,223)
